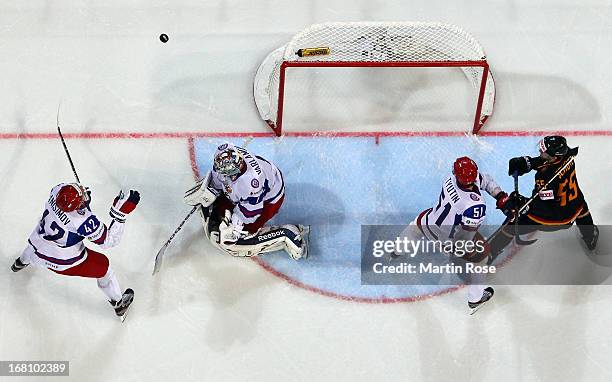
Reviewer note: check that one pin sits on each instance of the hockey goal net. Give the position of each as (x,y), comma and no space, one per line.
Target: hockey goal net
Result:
(365,50)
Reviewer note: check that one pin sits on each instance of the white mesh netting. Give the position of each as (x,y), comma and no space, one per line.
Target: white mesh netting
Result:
(386,42)
(431,44)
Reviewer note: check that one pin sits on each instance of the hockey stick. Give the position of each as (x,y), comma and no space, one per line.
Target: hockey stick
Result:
(160,254)
(59,131)
(523,209)
(517,236)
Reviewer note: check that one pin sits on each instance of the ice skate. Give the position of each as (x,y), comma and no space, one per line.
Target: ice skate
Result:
(486,296)
(18,265)
(122,306)
(591,242)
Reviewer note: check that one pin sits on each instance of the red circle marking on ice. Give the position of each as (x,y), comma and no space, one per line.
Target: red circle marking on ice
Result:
(369,300)
(190,136)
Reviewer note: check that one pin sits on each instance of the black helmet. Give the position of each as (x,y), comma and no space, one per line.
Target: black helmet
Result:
(554,145)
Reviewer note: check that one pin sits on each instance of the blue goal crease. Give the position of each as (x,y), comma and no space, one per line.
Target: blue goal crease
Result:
(338,184)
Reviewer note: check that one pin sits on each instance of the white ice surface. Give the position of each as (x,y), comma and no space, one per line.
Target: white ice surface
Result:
(209,317)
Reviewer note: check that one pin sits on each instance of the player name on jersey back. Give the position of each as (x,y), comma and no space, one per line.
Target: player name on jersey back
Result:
(451,190)
(61,215)
(455,207)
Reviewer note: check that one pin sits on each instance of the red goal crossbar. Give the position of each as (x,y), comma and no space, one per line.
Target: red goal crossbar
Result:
(478,121)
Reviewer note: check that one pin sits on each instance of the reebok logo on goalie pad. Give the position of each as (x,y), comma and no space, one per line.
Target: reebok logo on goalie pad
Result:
(271,235)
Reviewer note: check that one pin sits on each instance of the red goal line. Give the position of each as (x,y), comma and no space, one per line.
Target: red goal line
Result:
(314,134)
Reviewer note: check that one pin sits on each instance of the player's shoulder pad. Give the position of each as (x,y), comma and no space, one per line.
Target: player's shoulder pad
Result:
(474,215)
(55,189)
(89,226)
(254,180)
(256,184)
(482,177)
(468,200)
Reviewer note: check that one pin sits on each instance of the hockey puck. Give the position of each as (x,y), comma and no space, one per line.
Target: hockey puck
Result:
(163,38)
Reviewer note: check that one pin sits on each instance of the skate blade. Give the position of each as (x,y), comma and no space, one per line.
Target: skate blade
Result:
(475,309)
(124,315)
(130,292)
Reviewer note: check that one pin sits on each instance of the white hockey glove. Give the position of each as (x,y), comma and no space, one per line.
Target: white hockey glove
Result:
(201,193)
(124,204)
(230,233)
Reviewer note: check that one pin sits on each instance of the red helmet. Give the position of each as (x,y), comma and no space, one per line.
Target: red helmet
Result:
(465,171)
(71,197)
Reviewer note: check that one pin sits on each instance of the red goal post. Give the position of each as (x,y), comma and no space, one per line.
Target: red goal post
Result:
(374,44)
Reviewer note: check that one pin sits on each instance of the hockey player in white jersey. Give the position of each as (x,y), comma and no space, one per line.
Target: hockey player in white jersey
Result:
(241,193)
(57,242)
(459,213)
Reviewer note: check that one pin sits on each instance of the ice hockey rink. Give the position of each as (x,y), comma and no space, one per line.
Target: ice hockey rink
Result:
(141,114)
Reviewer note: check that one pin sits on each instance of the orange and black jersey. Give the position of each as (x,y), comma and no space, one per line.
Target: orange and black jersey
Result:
(562,201)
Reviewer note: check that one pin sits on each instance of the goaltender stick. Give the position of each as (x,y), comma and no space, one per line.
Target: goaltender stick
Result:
(242,193)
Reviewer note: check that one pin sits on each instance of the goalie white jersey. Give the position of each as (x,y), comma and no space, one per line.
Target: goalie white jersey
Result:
(253,191)
(58,238)
(261,183)
(457,207)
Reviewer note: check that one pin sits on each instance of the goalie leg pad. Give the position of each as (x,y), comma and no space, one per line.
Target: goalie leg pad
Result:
(270,239)
(296,242)
(211,228)
(210,221)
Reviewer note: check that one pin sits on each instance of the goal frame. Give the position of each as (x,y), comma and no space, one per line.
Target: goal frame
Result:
(478,121)
(374,44)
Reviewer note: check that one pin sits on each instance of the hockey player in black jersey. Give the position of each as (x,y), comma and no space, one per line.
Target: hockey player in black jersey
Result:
(557,206)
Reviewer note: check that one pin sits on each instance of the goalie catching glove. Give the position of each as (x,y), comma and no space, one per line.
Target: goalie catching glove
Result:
(124,204)
(201,193)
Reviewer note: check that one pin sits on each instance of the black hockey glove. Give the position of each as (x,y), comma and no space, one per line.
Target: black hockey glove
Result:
(522,165)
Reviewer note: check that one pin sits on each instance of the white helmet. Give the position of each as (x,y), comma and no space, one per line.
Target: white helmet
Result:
(227,160)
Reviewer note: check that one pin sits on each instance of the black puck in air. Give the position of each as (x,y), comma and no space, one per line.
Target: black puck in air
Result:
(163,38)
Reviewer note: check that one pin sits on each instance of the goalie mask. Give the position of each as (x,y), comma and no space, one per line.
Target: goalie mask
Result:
(228,161)
(72,197)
